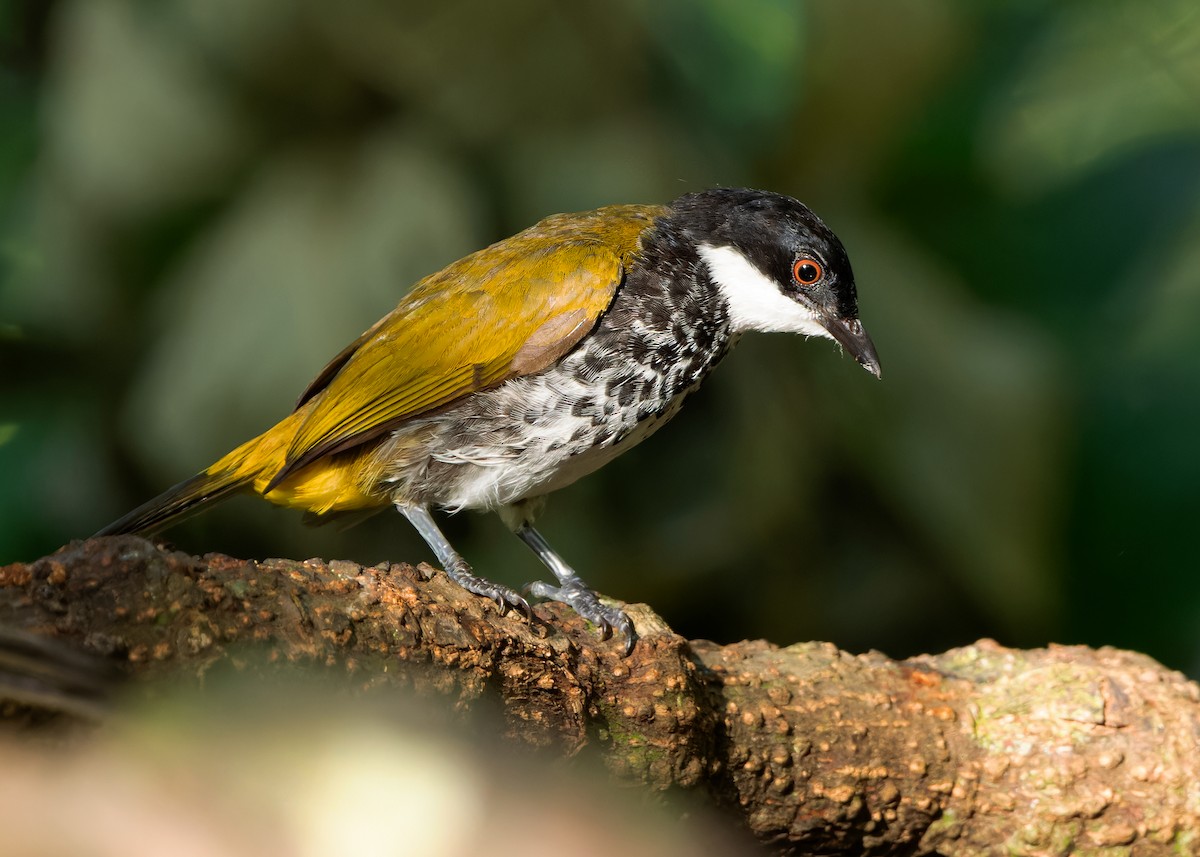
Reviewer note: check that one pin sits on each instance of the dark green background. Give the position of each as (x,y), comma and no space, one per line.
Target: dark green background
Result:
(203,200)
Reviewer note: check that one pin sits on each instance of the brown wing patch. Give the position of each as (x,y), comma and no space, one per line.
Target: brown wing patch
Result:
(552,340)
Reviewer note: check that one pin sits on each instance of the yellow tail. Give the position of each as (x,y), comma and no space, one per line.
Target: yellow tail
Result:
(335,483)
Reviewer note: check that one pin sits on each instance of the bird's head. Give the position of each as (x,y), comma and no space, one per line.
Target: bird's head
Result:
(778,267)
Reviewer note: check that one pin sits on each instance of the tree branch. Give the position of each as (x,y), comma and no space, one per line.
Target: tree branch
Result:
(976,751)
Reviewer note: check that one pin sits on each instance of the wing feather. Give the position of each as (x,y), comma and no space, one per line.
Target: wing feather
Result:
(509,310)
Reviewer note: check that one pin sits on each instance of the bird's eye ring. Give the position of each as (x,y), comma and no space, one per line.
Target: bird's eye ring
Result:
(806,271)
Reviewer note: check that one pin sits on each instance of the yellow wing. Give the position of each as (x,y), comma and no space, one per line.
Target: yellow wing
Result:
(511,309)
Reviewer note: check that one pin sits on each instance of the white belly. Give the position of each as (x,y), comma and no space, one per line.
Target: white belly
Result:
(560,471)
(551,457)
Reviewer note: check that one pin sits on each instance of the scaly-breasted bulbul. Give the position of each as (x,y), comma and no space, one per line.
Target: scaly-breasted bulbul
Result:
(516,370)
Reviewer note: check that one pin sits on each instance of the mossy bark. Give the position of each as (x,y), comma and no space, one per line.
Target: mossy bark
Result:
(981,750)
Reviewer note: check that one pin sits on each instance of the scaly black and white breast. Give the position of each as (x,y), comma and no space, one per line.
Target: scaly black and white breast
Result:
(667,328)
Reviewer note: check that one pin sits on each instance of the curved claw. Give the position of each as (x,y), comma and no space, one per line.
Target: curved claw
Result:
(504,598)
(510,600)
(583,601)
(630,636)
(630,639)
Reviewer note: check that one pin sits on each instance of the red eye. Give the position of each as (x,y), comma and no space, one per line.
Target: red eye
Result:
(807,271)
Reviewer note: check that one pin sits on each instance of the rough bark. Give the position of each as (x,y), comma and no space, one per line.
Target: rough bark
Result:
(981,750)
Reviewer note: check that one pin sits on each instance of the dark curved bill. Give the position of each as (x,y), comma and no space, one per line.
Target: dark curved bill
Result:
(850,335)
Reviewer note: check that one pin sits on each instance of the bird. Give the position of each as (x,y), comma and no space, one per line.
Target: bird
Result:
(526,365)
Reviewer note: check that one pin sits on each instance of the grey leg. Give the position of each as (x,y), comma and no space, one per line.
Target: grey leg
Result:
(572,591)
(456,567)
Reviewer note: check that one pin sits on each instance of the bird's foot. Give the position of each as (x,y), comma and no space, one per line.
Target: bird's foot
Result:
(504,597)
(576,595)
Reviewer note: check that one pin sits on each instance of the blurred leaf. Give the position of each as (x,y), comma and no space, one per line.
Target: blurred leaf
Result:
(973,405)
(139,120)
(736,63)
(1164,331)
(1100,79)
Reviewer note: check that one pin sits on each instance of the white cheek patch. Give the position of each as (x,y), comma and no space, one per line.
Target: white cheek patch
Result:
(755,301)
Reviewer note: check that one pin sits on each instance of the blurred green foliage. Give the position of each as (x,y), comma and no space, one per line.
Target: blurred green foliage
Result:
(202,200)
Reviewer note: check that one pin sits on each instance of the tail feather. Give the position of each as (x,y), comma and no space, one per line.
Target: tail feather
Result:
(177,503)
(234,472)
(330,486)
